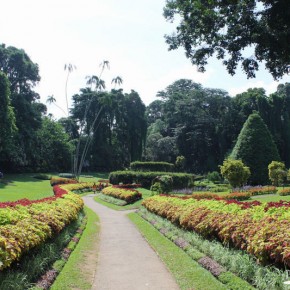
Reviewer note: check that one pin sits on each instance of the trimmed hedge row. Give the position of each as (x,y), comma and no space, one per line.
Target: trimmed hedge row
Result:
(152,166)
(180,180)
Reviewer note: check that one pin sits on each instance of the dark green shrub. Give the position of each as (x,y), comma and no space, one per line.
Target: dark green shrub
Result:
(180,180)
(162,184)
(152,166)
(214,177)
(256,148)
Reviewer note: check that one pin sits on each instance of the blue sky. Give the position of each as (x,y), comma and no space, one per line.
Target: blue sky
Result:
(128,33)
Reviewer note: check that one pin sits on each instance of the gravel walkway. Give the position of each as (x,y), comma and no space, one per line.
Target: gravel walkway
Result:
(126,261)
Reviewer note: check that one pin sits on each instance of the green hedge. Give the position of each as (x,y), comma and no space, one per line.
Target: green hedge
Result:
(180,180)
(152,166)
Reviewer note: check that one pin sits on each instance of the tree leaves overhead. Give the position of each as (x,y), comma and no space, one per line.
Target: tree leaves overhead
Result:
(239,32)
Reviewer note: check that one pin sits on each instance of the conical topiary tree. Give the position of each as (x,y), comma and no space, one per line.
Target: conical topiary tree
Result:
(256,148)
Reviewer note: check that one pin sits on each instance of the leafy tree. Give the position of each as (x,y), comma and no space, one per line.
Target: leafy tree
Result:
(197,118)
(277,172)
(235,172)
(7,116)
(23,75)
(154,111)
(256,148)
(54,147)
(227,28)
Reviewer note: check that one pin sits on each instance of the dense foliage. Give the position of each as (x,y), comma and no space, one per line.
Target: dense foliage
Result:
(120,135)
(242,32)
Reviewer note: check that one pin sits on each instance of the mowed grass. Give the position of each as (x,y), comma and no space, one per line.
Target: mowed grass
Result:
(79,271)
(18,186)
(23,185)
(145,194)
(187,273)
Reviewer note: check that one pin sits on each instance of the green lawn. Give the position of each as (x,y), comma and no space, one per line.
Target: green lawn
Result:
(18,186)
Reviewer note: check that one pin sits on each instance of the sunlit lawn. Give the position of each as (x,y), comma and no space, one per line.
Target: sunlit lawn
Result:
(18,186)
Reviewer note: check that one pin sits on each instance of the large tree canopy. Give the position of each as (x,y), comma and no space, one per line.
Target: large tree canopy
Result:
(227,28)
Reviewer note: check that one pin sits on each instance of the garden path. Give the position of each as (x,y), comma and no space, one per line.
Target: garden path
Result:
(126,261)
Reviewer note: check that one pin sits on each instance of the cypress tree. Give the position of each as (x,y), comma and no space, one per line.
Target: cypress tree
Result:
(256,148)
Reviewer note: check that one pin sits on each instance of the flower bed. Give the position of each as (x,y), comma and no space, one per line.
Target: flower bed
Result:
(284,192)
(234,195)
(260,229)
(261,190)
(127,194)
(61,180)
(25,224)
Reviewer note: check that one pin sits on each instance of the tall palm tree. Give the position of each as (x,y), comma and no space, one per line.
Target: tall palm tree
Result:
(70,68)
(117,81)
(51,100)
(99,85)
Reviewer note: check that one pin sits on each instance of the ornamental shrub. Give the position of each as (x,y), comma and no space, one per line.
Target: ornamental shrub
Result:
(255,146)
(214,177)
(277,172)
(152,166)
(162,184)
(235,172)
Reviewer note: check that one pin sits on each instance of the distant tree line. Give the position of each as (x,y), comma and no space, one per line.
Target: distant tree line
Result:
(188,120)
(203,124)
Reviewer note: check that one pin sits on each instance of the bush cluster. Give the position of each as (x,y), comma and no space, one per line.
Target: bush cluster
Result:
(180,180)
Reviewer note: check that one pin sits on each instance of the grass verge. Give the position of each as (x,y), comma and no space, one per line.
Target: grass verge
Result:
(78,272)
(188,273)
